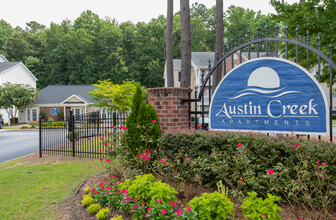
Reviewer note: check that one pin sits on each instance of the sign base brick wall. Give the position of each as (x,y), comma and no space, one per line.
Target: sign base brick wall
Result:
(170,110)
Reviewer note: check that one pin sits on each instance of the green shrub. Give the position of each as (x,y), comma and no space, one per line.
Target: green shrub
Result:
(212,206)
(87,190)
(87,201)
(70,136)
(163,192)
(140,187)
(103,213)
(255,208)
(43,114)
(60,116)
(142,131)
(118,217)
(242,161)
(94,208)
(24,127)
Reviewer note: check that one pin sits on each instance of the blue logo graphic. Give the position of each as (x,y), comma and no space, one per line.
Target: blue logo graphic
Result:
(54,111)
(270,95)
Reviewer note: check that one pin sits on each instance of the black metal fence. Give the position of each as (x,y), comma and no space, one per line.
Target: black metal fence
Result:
(300,50)
(80,135)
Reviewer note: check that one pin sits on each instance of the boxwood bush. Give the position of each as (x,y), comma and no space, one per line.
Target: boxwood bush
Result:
(296,169)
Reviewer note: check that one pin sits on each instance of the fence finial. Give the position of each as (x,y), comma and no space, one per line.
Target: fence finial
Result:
(287,32)
(276,31)
(258,32)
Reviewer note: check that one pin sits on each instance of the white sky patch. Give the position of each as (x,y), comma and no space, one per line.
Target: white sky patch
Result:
(19,12)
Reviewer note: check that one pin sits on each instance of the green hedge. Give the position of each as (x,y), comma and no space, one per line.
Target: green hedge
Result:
(286,166)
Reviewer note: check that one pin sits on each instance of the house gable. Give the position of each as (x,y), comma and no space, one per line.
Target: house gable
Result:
(74,99)
(17,73)
(3,59)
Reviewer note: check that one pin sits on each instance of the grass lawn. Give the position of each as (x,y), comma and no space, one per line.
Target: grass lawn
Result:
(334,122)
(32,187)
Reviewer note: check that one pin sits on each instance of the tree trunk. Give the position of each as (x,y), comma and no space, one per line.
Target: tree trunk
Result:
(185,44)
(219,42)
(169,43)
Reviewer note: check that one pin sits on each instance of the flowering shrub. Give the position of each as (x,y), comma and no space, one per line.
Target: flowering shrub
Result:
(161,210)
(33,124)
(253,162)
(212,206)
(255,208)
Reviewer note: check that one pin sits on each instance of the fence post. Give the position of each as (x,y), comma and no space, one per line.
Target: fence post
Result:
(114,119)
(40,137)
(97,122)
(72,130)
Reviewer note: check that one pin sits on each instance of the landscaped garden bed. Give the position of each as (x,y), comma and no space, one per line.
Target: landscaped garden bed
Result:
(237,175)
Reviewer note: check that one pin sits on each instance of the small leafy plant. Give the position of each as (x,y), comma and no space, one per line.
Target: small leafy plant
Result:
(255,208)
(87,201)
(94,208)
(103,213)
(162,191)
(212,206)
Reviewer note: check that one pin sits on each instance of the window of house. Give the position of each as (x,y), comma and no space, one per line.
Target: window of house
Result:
(28,115)
(77,112)
(179,76)
(32,114)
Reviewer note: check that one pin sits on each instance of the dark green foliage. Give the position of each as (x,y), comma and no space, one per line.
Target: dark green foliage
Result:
(143,128)
(42,114)
(299,165)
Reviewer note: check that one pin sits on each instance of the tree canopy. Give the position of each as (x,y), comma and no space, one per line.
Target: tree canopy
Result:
(92,48)
(16,96)
(314,16)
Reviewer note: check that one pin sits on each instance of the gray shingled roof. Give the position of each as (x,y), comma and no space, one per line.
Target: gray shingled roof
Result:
(7,65)
(201,59)
(56,94)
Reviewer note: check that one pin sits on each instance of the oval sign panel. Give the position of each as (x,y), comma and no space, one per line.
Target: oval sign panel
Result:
(270,95)
(54,111)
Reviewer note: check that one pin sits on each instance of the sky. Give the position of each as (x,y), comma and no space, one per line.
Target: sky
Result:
(18,12)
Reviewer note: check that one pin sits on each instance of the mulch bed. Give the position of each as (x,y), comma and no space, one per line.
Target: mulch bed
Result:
(73,209)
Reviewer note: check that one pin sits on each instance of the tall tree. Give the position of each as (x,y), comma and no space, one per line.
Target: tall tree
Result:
(185,44)
(169,43)
(219,40)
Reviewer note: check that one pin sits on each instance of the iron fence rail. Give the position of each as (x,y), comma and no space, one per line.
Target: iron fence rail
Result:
(80,135)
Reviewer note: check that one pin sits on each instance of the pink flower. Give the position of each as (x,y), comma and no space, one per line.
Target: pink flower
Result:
(153,121)
(179,212)
(158,200)
(108,160)
(165,163)
(264,215)
(126,150)
(162,159)
(318,161)
(108,192)
(102,138)
(138,124)
(240,180)
(112,126)
(293,181)
(136,206)
(323,164)
(239,145)
(172,203)
(106,145)
(124,128)
(270,171)
(130,212)
(112,177)
(135,200)
(149,208)
(146,158)
(143,203)
(97,193)
(300,219)
(188,209)
(163,211)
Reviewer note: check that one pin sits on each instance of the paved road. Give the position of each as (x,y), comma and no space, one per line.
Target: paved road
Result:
(14,144)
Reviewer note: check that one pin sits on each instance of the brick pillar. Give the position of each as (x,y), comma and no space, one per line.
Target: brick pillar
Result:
(167,103)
